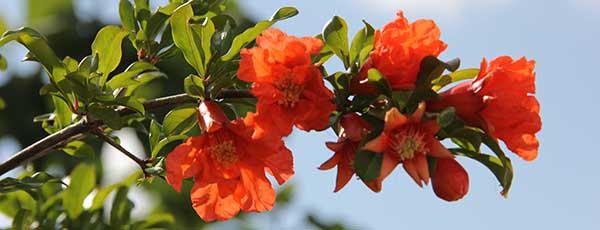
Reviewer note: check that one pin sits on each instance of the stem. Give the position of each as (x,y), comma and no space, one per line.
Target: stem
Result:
(109,140)
(79,129)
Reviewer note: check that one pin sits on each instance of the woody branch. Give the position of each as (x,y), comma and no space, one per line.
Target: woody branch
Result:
(81,128)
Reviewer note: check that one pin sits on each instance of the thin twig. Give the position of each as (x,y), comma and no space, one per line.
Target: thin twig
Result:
(99,133)
(78,129)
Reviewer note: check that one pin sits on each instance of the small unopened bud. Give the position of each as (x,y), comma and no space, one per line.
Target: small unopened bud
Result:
(450,180)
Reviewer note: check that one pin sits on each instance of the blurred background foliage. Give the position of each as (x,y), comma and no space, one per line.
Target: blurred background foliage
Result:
(36,204)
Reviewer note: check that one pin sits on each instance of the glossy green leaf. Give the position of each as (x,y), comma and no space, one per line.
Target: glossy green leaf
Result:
(101,196)
(459,75)
(204,32)
(164,142)
(3,63)
(79,149)
(107,114)
(184,38)
(127,15)
(83,180)
(107,45)
(194,86)
(503,174)
(508,172)
(127,77)
(62,113)
(252,33)
(180,120)
(362,43)
(156,220)
(335,35)
(367,164)
(447,117)
(159,19)
(23,220)
(103,193)
(155,133)
(121,208)
(12,202)
(376,78)
(38,46)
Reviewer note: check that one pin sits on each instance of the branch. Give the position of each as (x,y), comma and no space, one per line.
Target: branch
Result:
(112,142)
(78,129)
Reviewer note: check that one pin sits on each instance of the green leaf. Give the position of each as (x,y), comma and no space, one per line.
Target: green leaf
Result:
(453,64)
(101,196)
(467,138)
(362,43)
(335,35)
(459,75)
(194,86)
(2,104)
(180,120)
(127,14)
(103,193)
(368,164)
(83,180)
(164,142)
(62,112)
(158,20)
(376,78)
(508,172)
(121,208)
(3,64)
(38,46)
(155,133)
(184,38)
(23,220)
(324,55)
(71,64)
(127,77)
(107,45)
(155,221)
(30,184)
(251,33)
(79,149)
(431,68)
(106,114)
(503,174)
(447,117)
(204,33)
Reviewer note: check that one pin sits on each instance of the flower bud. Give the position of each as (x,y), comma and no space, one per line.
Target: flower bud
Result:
(450,180)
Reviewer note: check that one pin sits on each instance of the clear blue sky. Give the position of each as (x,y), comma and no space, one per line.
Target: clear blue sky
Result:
(557,191)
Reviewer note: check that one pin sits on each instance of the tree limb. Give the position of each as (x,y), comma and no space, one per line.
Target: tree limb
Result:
(78,129)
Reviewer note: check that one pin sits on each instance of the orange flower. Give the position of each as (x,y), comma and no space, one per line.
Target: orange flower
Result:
(399,48)
(407,141)
(352,130)
(449,180)
(289,88)
(501,101)
(228,166)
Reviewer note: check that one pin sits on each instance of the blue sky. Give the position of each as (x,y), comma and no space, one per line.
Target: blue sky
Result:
(557,191)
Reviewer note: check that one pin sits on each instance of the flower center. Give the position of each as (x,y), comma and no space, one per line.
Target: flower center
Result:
(407,142)
(291,92)
(224,152)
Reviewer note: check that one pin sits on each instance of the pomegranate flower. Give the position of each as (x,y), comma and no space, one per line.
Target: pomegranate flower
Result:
(501,101)
(353,128)
(289,88)
(228,166)
(407,141)
(398,50)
